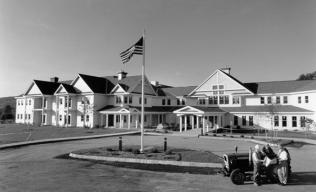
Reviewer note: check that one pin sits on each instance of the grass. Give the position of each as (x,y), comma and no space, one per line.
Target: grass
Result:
(11,133)
(155,153)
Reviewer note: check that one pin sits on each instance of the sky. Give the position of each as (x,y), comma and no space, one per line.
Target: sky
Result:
(261,40)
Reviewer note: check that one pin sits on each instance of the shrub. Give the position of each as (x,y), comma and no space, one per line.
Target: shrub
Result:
(154,150)
(135,151)
(128,149)
(178,157)
(109,149)
(232,136)
(168,152)
(242,136)
(252,137)
(214,134)
(224,135)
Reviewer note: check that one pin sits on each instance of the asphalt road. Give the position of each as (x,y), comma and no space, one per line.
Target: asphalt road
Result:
(35,168)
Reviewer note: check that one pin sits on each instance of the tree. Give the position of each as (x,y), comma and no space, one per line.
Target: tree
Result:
(7,113)
(309,124)
(307,76)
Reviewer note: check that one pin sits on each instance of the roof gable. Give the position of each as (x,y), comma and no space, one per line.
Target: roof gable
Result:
(81,85)
(65,89)
(118,89)
(33,90)
(231,85)
(189,109)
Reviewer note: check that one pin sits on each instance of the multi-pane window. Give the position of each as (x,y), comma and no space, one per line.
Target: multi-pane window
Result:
(30,102)
(236,120)
(29,116)
(303,119)
(118,99)
(299,99)
(87,118)
(276,121)
(285,99)
(306,99)
(211,100)
(70,102)
(163,101)
(140,100)
(60,117)
(284,121)
(60,101)
(243,120)
(130,99)
(236,100)
(221,99)
(169,102)
(183,101)
(44,119)
(269,100)
(145,100)
(178,101)
(250,120)
(45,103)
(277,100)
(262,100)
(294,121)
(226,99)
(69,120)
(82,118)
(125,100)
(201,101)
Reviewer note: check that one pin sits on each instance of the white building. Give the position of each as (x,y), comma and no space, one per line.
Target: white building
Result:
(115,101)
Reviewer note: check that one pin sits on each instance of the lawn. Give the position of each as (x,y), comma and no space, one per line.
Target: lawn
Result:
(11,133)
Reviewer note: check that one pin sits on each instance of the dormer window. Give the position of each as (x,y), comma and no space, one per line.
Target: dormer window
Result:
(218,89)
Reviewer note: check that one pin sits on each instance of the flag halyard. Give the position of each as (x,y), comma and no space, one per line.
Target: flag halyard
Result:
(136,49)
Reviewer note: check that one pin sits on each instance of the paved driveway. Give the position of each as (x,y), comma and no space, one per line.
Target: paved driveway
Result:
(34,168)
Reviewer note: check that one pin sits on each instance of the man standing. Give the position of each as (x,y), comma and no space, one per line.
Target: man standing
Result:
(283,169)
(257,161)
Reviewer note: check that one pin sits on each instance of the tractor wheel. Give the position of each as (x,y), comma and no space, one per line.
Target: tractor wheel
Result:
(237,177)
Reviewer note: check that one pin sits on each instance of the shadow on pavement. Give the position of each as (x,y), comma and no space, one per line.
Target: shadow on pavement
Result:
(303,178)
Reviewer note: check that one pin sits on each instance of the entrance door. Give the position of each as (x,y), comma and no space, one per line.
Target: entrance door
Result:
(111,121)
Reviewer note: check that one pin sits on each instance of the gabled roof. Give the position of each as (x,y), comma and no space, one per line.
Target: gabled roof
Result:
(46,87)
(68,88)
(282,86)
(97,84)
(178,91)
(267,109)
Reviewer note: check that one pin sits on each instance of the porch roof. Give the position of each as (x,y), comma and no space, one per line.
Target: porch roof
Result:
(243,109)
(157,109)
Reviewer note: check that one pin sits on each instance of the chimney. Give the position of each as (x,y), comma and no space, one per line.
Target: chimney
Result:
(54,79)
(154,83)
(121,75)
(226,70)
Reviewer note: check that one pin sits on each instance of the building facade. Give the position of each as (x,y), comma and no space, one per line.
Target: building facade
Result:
(219,101)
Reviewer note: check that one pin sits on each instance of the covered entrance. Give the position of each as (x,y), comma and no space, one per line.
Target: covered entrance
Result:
(207,118)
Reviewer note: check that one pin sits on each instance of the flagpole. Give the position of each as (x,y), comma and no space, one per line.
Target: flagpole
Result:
(142,109)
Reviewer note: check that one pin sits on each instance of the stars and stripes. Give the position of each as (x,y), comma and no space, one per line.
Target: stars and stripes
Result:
(136,49)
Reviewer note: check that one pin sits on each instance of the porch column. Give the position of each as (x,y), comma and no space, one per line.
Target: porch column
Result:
(107,120)
(185,123)
(136,121)
(67,117)
(158,119)
(42,118)
(121,124)
(203,119)
(129,121)
(192,122)
(180,123)
(101,120)
(197,122)
(114,120)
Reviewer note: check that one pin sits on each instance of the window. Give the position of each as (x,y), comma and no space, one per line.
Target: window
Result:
(210,100)
(284,121)
(201,101)
(178,101)
(221,99)
(125,100)
(226,99)
(285,99)
(303,119)
(87,118)
(276,121)
(269,100)
(124,118)
(163,102)
(117,118)
(236,120)
(60,117)
(244,122)
(45,103)
(221,86)
(29,116)
(250,120)
(183,101)
(60,101)
(30,102)
(306,99)
(130,99)
(145,100)
(169,102)
(69,119)
(278,101)
(236,100)
(140,100)
(18,102)
(299,99)
(66,102)
(215,100)
(22,102)
(262,100)
(70,102)
(82,118)
(214,87)
(118,100)
(43,119)
(294,121)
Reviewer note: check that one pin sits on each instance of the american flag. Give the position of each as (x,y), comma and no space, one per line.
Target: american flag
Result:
(137,49)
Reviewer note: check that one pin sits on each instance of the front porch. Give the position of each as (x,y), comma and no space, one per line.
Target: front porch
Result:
(208,119)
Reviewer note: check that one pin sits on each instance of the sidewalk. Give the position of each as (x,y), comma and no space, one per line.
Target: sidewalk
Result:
(43,141)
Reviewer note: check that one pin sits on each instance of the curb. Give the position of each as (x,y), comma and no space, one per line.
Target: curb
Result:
(43,141)
(146,161)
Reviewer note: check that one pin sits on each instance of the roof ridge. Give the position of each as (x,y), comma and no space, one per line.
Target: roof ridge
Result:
(282,81)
